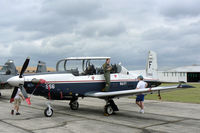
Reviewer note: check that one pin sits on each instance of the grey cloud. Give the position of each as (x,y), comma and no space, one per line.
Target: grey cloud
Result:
(51,17)
(160,33)
(74,8)
(124,30)
(179,8)
(191,29)
(102,28)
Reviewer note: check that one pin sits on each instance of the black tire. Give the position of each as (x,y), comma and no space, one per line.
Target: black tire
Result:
(47,112)
(0,93)
(74,105)
(108,109)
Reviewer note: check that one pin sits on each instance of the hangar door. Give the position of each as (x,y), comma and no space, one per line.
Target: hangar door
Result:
(193,77)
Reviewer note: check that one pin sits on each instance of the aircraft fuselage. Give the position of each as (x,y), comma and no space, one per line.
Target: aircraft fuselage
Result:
(65,85)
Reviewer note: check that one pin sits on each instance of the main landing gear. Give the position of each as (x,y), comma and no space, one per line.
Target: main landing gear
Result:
(110,107)
(74,105)
(0,93)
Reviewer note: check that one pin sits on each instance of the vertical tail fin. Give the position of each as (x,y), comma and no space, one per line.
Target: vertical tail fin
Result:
(41,67)
(152,66)
(10,68)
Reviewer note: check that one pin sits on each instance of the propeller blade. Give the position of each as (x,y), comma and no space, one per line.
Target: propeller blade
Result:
(25,65)
(13,94)
(25,94)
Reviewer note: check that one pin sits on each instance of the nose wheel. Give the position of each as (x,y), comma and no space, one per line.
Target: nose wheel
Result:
(48,112)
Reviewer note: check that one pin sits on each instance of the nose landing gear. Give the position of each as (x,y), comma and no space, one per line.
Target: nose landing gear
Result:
(48,112)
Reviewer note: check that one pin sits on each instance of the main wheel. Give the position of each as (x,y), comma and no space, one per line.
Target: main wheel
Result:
(74,105)
(0,93)
(108,109)
(48,112)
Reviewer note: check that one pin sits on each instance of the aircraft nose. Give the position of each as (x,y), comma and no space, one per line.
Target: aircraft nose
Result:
(15,81)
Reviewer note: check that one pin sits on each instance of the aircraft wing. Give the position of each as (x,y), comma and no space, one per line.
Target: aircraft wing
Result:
(134,91)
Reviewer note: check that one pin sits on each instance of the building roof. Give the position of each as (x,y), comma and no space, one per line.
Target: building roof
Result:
(194,68)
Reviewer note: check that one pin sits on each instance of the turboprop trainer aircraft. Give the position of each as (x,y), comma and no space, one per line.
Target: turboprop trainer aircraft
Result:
(7,71)
(82,77)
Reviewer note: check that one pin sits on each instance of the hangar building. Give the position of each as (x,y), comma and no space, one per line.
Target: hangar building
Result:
(185,73)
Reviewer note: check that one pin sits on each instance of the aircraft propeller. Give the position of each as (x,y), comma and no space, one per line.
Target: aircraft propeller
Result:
(20,83)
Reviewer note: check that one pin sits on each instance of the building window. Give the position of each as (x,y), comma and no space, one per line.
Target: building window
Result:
(172,74)
(164,74)
(181,74)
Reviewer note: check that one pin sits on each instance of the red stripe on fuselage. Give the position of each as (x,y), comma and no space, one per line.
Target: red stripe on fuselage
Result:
(86,81)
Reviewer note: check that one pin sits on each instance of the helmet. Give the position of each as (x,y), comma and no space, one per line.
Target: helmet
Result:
(140,77)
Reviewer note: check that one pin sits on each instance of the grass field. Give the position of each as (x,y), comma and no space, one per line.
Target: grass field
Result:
(191,95)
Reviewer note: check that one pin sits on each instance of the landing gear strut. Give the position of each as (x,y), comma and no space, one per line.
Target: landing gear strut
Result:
(74,105)
(110,107)
(48,112)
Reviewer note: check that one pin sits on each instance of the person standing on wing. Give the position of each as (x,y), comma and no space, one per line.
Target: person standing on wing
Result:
(140,98)
(106,69)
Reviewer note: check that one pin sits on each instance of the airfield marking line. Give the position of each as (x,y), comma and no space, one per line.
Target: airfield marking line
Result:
(16,126)
(60,125)
(168,122)
(166,115)
(21,119)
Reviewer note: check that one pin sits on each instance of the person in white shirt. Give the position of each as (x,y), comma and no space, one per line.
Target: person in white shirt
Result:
(140,98)
(17,102)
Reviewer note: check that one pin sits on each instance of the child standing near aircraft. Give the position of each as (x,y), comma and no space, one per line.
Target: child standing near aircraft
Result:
(17,102)
(107,68)
(140,98)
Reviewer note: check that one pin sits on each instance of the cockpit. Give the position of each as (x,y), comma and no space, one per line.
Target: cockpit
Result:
(80,66)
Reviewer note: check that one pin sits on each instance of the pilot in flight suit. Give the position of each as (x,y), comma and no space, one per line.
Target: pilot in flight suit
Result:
(107,68)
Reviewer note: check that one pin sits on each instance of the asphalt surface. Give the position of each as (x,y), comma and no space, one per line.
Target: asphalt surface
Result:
(160,117)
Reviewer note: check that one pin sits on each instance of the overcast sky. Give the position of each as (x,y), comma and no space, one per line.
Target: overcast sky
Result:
(125,30)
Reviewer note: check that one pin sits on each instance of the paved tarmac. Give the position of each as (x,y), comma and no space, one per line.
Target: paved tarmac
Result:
(160,117)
